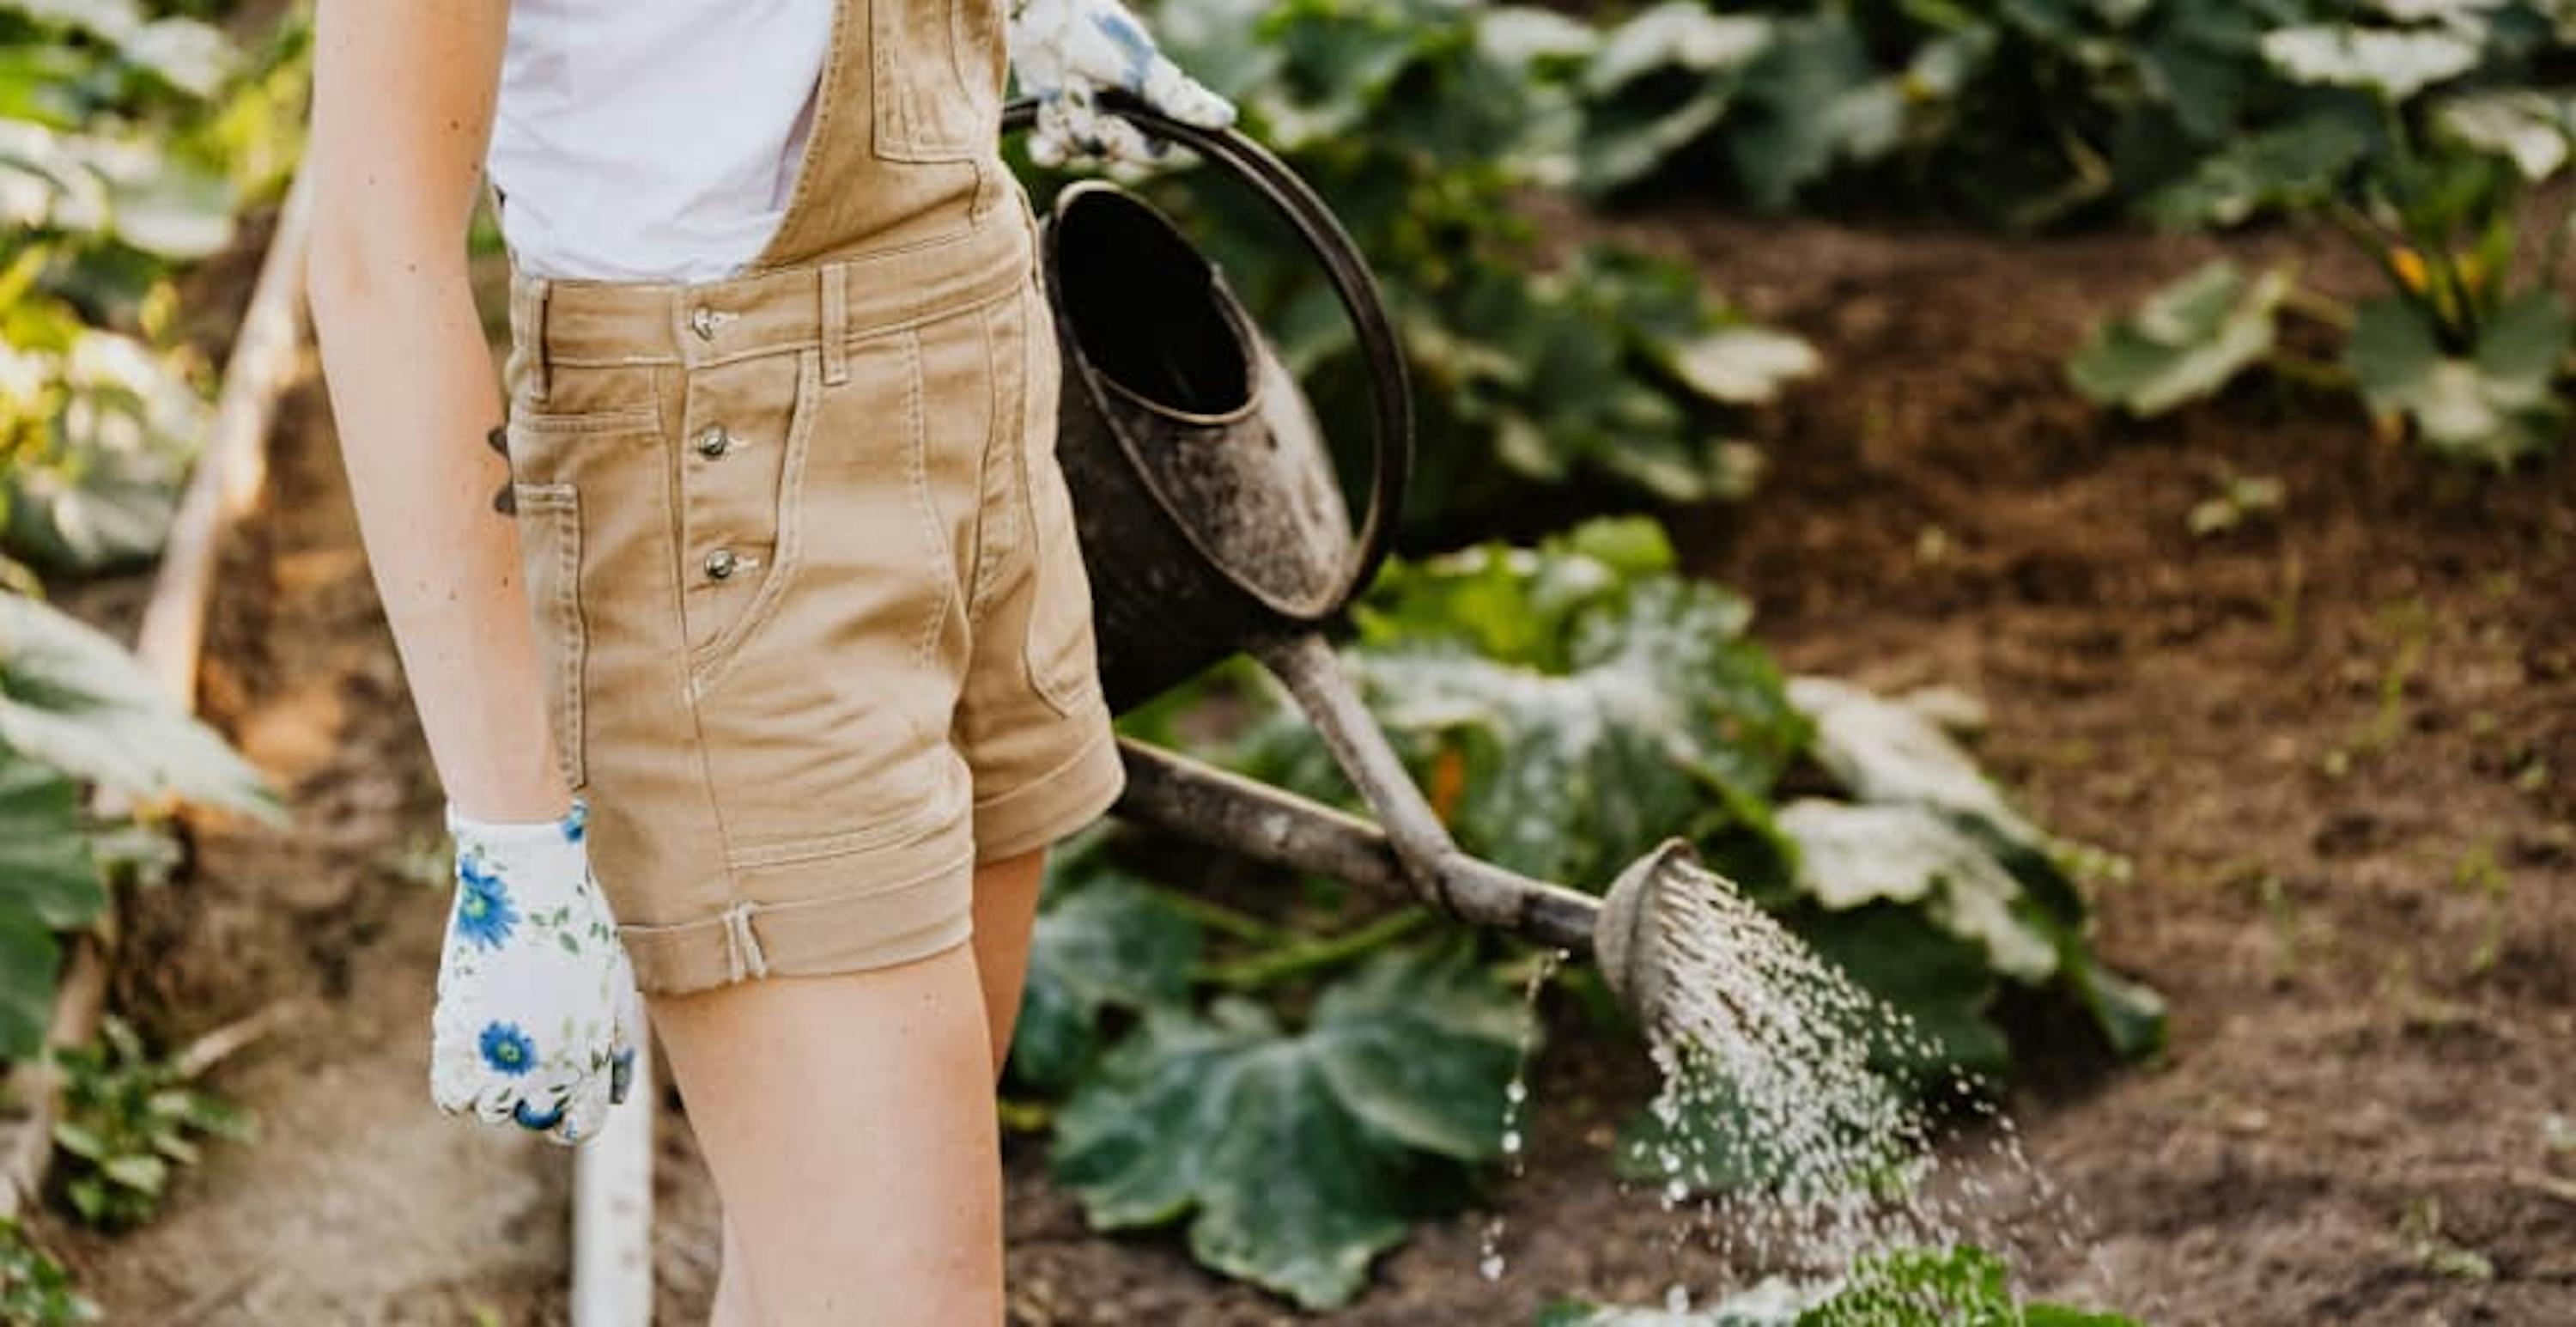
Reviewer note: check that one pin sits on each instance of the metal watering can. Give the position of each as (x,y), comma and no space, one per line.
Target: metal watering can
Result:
(1211,521)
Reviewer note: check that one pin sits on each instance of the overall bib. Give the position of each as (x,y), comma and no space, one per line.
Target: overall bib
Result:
(816,630)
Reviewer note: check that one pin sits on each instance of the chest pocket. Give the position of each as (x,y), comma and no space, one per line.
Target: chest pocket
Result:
(936,69)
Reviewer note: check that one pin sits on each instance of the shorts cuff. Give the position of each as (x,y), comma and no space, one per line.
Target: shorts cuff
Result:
(811,937)
(1054,804)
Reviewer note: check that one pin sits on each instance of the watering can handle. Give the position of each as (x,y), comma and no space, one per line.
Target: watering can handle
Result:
(1390,390)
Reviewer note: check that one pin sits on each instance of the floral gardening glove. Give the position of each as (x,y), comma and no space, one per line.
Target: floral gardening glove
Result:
(1065,51)
(533,989)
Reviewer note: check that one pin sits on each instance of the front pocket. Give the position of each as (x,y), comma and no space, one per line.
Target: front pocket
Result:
(549,524)
(936,70)
(741,476)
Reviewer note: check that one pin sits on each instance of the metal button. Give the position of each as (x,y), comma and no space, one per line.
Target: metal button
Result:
(714,441)
(702,320)
(720,563)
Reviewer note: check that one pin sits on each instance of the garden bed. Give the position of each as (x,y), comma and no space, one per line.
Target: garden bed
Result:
(2315,735)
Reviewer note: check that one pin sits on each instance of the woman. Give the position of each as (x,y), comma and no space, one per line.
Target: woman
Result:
(771,690)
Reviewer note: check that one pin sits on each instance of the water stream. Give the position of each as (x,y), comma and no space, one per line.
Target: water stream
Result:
(1790,1148)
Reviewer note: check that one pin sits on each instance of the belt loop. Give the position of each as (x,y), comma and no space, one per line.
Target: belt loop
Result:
(742,948)
(836,323)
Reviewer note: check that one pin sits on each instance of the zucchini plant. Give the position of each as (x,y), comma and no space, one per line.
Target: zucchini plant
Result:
(2466,345)
(1293,1075)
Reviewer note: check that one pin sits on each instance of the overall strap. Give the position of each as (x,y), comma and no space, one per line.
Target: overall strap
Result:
(905,144)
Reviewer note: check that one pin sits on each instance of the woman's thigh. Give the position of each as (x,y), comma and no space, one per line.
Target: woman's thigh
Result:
(848,1122)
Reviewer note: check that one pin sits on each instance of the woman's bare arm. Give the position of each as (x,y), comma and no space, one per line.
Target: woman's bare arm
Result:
(402,108)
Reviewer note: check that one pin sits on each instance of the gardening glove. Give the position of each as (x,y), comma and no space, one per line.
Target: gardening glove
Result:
(1064,52)
(534,994)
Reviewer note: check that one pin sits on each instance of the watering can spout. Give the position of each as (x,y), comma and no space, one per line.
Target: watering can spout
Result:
(1628,932)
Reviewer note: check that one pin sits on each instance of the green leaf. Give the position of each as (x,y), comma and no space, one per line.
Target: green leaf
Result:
(1850,856)
(2287,166)
(1887,752)
(73,698)
(99,493)
(2395,64)
(1743,365)
(30,960)
(1662,720)
(2130,1015)
(1676,35)
(46,870)
(1296,1157)
(2528,127)
(2495,405)
(2185,342)
(142,1172)
(1939,981)
(1826,103)
(1105,942)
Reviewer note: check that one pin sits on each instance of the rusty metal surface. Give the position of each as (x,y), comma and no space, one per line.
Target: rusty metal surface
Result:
(1224,810)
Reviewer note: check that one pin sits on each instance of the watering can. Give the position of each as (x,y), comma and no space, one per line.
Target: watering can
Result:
(1211,520)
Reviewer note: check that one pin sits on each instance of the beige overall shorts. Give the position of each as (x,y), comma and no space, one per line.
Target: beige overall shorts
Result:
(816,630)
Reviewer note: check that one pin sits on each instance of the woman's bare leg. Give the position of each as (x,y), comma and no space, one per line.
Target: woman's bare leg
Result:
(848,1122)
(1006,907)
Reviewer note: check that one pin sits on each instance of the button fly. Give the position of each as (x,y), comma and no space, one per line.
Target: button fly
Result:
(721,563)
(714,441)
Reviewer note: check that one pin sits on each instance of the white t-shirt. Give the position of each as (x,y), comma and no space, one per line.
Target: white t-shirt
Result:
(652,140)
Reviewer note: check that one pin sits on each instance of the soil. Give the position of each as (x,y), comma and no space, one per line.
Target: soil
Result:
(2337,744)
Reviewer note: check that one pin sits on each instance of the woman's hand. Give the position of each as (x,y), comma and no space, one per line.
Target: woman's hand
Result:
(1065,51)
(533,989)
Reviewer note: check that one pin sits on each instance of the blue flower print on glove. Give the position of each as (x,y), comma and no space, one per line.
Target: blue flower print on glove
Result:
(532,1027)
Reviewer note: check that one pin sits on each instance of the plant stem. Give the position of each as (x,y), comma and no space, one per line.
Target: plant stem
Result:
(1298,959)
(2306,371)
(2317,306)
(2375,242)
(1218,917)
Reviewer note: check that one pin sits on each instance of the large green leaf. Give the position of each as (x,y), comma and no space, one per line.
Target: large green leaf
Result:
(1850,856)
(73,698)
(1938,981)
(2494,405)
(30,960)
(2526,126)
(1297,1157)
(1933,831)
(48,882)
(47,871)
(2288,166)
(132,190)
(1826,103)
(1664,719)
(119,424)
(2185,342)
(1660,80)
(1567,706)
(191,56)
(2395,64)
(1106,942)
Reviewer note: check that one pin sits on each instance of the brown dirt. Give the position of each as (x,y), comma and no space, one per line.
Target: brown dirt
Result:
(2315,736)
